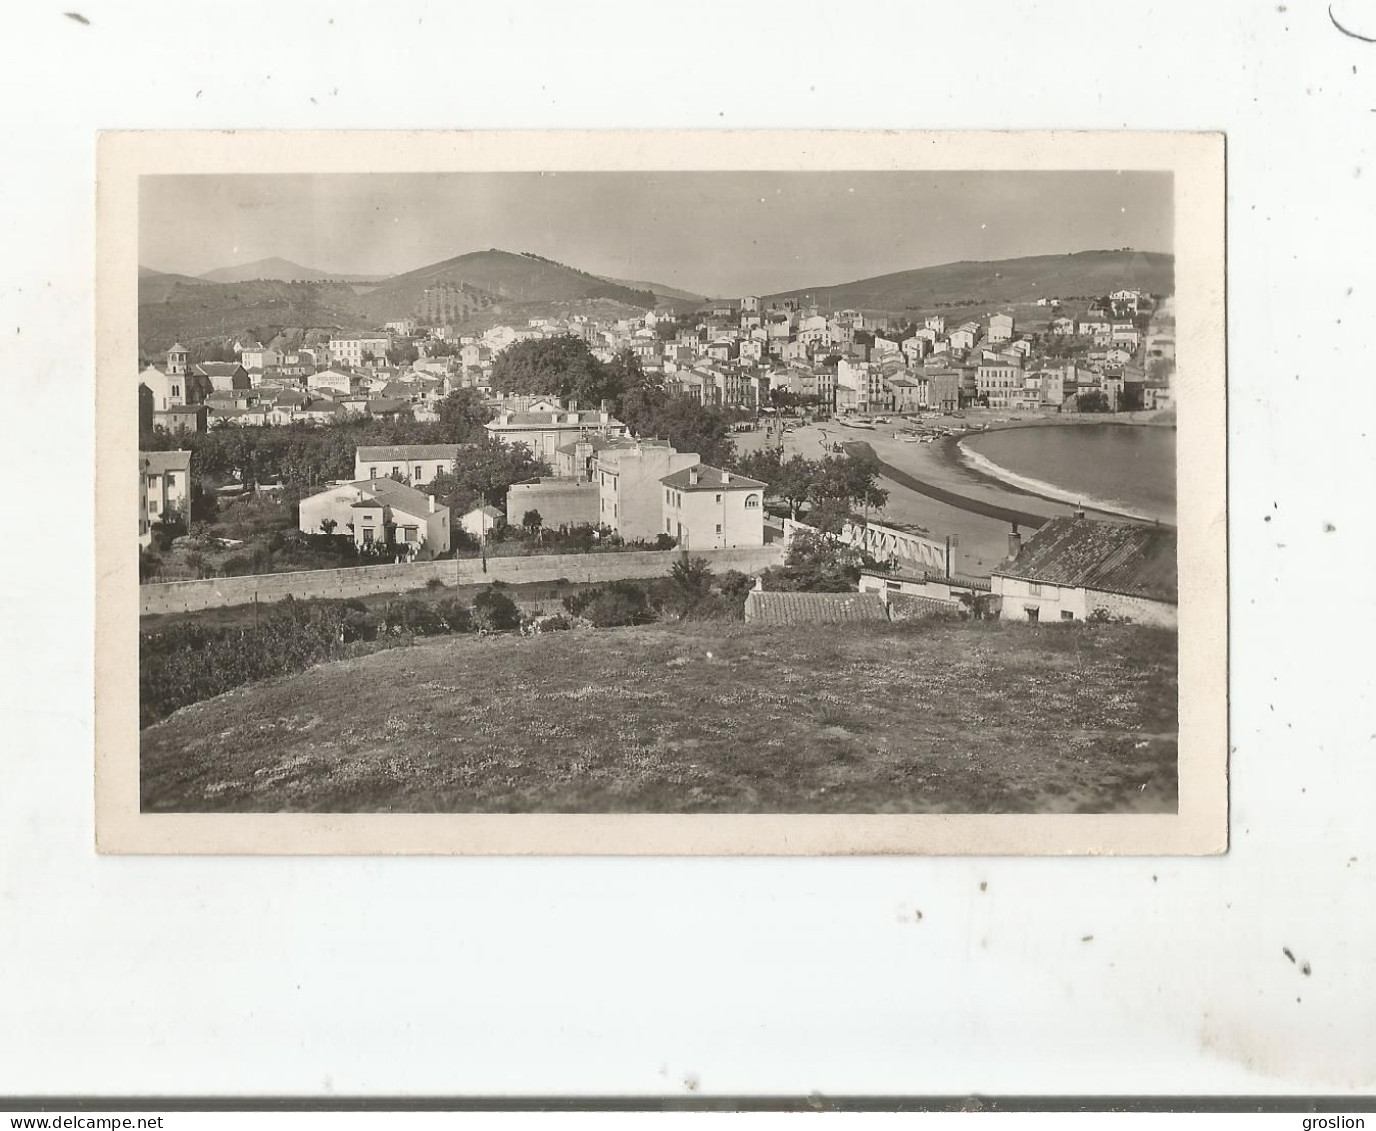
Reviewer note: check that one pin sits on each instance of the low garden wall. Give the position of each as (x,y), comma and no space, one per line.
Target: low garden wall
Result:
(362,581)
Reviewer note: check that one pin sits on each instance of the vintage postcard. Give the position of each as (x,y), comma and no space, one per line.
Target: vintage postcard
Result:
(661,492)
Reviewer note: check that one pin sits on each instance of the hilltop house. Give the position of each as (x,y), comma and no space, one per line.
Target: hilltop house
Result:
(1075,568)
(378,510)
(707,508)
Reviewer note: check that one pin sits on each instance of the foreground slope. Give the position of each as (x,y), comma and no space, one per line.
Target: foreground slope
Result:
(925,717)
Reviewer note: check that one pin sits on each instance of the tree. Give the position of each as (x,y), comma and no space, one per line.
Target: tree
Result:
(532,522)
(817,563)
(562,367)
(794,483)
(327,526)
(694,578)
(403,352)
(462,416)
(485,473)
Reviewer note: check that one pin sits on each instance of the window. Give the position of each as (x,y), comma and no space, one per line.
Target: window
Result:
(668,497)
(372,473)
(718,498)
(408,533)
(152,481)
(1066,614)
(668,526)
(396,470)
(752,502)
(718,528)
(176,390)
(418,474)
(1034,588)
(367,534)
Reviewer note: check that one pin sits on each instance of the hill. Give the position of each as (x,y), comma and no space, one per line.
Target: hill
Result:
(155,286)
(282,270)
(711,717)
(661,290)
(1088,273)
(195,311)
(487,279)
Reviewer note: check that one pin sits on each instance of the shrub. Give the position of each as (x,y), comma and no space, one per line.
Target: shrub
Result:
(236,565)
(620,603)
(455,615)
(734,585)
(494,611)
(435,583)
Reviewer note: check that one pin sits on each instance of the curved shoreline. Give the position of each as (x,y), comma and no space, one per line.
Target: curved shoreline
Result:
(951,498)
(982,466)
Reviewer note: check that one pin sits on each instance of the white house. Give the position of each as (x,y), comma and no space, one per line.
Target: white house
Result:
(1001,328)
(1077,568)
(378,510)
(480,520)
(418,463)
(707,508)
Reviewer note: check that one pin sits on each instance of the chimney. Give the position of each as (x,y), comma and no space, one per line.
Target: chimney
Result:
(1014,542)
(759,585)
(1079,510)
(726,477)
(692,477)
(432,503)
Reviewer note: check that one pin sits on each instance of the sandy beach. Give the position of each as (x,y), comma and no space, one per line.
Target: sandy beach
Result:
(983,540)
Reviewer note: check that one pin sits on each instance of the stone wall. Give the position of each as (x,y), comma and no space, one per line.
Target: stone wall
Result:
(189,596)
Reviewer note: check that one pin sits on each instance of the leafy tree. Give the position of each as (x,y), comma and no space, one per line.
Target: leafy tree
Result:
(532,521)
(563,367)
(484,475)
(817,563)
(403,352)
(693,576)
(462,416)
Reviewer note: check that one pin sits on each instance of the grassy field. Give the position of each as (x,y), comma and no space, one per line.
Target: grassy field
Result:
(944,717)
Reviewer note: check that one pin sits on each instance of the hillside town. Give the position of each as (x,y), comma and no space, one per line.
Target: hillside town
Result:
(766,364)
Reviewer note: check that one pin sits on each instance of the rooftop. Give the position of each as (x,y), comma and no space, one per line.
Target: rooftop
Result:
(405,452)
(813,608)
(156,463)
(701,477)
(1116,557)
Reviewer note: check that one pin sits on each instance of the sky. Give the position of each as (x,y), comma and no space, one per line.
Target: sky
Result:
(712,233)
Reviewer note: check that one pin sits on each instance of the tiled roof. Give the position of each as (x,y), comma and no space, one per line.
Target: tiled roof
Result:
(218,368)
(156,463)
(709,479)
(403,453)
(395,495)
(1116,557)
(813,608)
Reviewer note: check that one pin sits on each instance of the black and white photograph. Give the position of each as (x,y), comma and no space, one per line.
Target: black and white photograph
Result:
(694,492)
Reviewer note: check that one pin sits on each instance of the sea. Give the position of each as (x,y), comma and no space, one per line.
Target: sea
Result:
(1127,469)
